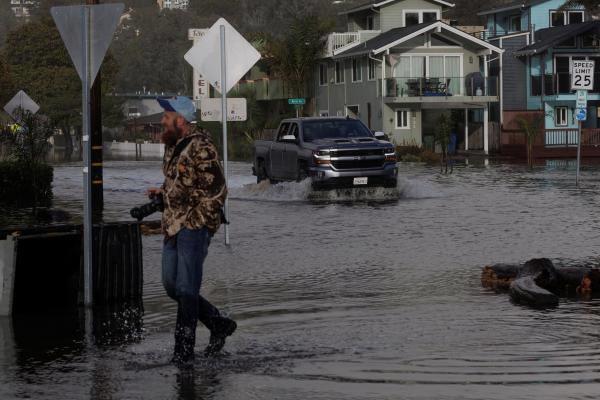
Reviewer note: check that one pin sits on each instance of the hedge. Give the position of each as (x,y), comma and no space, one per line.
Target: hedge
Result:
(17,188)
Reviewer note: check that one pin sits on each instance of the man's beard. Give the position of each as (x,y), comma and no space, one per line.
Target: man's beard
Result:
(171,135)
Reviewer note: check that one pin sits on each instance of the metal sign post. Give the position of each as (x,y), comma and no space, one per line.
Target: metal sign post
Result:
(224,120)
(87,32)
(582,73)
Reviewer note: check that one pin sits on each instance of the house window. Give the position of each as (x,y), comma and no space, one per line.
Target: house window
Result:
(371,69)
(323,74)
(560,116)
(415,17)
(575,17)
(352,111)
(339,72)
(411,18)
(590,40)
(514,23)
(402,119)
(557,18)
(356,70)
(370,23)
(430,16)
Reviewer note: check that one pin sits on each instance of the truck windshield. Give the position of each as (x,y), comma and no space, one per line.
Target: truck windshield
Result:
(334,129)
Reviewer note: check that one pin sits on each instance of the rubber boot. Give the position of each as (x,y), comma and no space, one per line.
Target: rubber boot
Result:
(185,330)
(220,328)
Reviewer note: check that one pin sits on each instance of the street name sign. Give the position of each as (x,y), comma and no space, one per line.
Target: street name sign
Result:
(297,101)
(239,53)
(23,101)
(211,110)
(582,73)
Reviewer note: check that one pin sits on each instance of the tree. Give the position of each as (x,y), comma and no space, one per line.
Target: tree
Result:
(7,89)
(41,66)
(28,142)
(442,137)
(294,57)
(592,6)
(531,125)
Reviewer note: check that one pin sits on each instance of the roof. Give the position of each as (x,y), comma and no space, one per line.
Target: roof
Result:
(378,4)
(511,6)
(550,37)
(396,36)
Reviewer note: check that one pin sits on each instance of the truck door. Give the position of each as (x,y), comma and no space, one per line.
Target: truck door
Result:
(277,151)
(290,156)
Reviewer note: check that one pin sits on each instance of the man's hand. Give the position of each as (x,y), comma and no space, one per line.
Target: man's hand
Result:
(152,192)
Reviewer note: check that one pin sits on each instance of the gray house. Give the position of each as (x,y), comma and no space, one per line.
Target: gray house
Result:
(399,67)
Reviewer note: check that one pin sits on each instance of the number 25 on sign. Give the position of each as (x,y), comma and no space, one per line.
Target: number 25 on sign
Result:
(582,72)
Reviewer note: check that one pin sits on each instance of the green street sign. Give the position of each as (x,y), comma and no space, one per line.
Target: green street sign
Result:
(297,101)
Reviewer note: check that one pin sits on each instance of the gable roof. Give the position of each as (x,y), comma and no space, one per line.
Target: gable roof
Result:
(378,4)
(550,37)
(397,36)
(515,5)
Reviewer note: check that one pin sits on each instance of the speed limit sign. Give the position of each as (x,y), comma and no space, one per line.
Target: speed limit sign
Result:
(582,73)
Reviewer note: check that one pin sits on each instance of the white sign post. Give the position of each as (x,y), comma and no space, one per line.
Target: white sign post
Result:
(237,55)
(87,32)
(582,80)
(200,86)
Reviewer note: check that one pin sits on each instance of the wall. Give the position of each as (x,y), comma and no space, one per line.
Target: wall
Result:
(541,12)
(391,15)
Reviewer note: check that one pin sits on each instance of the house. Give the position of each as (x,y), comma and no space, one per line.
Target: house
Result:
(540,39)
(398,67)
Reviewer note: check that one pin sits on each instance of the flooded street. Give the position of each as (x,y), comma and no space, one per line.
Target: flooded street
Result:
(335,298)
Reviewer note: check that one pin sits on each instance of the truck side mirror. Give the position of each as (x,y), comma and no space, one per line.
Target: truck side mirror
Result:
(379,135)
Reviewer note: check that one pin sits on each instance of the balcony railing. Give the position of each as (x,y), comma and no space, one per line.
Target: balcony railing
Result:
(272,89)
(559,83)
(441,87)
(491,33)
(339,42)
(568,137)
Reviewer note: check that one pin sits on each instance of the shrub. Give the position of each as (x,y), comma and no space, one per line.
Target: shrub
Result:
(22,185)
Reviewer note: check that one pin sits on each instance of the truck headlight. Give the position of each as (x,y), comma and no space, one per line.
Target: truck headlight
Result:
(322,157)
(390,154)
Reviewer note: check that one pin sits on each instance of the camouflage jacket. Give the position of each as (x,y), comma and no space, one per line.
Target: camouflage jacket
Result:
(194,188)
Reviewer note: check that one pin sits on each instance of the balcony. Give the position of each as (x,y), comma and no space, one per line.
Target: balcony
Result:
(446,88)
(488,34)
(270,89)
(559,83)
(340,42)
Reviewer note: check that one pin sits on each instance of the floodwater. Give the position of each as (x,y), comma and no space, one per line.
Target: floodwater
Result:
(372,295)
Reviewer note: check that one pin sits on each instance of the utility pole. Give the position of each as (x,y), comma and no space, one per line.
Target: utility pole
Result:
(96,143)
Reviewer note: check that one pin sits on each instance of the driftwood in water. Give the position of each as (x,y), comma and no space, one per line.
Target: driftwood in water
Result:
(536,284)
(499,276)
(539,283)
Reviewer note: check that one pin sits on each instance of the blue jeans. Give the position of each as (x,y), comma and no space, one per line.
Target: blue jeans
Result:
(182,263)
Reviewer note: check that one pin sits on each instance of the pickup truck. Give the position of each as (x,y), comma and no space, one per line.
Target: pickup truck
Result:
(333,151)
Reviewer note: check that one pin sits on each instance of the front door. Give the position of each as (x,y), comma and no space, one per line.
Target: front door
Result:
(290,155)
(277,152)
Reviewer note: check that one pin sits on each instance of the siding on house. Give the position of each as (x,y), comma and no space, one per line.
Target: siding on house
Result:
(514,72)
(391,15)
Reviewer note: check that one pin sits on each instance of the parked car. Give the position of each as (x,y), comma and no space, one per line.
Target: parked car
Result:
(332,151)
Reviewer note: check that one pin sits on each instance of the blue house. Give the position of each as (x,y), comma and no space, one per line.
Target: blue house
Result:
(540,40)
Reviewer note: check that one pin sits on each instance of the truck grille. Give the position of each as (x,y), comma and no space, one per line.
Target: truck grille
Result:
(357,164)
(357,152)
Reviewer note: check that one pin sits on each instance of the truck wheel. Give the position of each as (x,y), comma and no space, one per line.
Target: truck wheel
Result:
(261,173)
(302,172)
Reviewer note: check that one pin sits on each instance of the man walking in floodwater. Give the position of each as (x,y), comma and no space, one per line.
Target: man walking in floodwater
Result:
(193,193)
